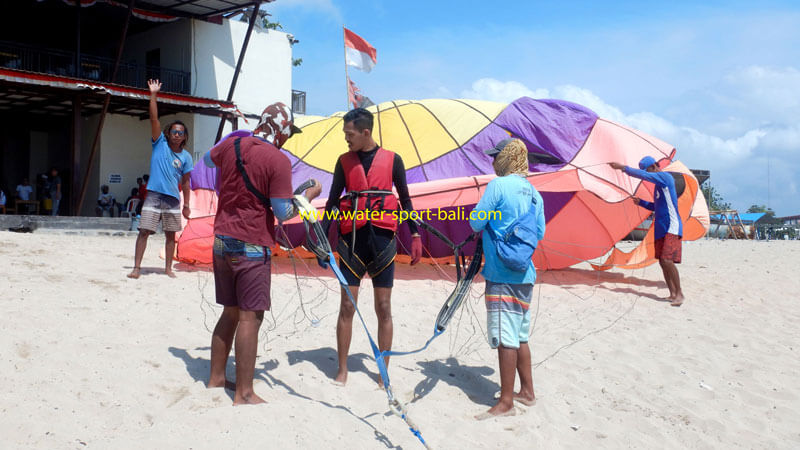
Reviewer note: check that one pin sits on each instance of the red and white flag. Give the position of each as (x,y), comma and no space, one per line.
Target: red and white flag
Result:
(356,98)
(358,52)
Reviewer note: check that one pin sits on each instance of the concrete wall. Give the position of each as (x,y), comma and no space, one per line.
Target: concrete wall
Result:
(125,149)
(266,74)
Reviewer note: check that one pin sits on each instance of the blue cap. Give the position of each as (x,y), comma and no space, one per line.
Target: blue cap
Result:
(646,162)
(497,148)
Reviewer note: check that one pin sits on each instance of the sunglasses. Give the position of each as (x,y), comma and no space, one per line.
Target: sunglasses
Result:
(177,133)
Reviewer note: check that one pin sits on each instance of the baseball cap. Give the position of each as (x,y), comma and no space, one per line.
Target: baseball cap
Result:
(497,148)
(279,118)
(646,162)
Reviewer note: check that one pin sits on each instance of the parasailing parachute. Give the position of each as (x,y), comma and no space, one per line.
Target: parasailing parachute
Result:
(588,205)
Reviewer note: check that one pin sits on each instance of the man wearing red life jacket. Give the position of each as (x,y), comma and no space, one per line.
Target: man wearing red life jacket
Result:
(367,226)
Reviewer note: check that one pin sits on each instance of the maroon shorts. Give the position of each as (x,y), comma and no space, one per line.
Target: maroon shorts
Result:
(241,274)
(669,248)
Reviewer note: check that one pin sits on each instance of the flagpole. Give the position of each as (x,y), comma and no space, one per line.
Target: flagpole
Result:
(346,74)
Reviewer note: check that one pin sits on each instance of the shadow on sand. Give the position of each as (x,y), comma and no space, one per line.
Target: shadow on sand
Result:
(472,380)
(198,369)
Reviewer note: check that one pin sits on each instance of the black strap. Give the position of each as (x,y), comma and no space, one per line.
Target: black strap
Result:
(248,184)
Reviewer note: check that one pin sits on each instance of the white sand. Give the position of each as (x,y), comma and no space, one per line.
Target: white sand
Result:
(92,359)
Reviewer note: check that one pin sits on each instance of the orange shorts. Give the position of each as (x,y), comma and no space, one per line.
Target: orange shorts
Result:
(669,247)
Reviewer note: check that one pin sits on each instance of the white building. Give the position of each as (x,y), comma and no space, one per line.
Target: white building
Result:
(53,122)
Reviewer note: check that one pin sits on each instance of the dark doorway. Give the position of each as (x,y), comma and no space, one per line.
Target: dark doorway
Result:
(153,63)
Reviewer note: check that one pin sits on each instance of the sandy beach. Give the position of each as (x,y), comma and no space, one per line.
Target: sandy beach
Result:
(92,359)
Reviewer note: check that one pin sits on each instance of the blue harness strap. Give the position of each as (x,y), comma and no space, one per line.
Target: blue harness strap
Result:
(394,404)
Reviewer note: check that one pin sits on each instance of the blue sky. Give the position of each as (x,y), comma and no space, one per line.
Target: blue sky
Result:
(719,80)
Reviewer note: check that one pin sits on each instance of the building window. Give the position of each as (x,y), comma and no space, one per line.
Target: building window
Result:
(298,102)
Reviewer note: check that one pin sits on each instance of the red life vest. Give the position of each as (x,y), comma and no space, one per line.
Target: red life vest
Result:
(382,207)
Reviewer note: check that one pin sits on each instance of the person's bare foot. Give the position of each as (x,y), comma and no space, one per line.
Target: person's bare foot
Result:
(248,399)
(678,300)
(498,410)
(525,398)
(340,379)
(134,273)
(170,273)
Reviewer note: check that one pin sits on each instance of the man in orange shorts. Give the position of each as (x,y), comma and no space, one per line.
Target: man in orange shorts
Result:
(668,225)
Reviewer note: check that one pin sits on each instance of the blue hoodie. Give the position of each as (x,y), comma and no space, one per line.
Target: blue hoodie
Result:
(667,219)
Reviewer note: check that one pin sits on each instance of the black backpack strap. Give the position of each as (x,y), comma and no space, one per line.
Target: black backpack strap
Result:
(247,182)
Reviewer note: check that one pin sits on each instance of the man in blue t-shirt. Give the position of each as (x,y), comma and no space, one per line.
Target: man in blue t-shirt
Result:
(508,292)
(170,165)
(668,227)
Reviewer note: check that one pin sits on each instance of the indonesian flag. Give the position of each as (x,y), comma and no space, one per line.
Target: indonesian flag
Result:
(358,52)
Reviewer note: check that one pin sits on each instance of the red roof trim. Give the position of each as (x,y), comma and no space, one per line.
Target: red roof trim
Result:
(19,76)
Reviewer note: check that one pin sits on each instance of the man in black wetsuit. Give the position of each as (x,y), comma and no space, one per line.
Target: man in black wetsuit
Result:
(370,211)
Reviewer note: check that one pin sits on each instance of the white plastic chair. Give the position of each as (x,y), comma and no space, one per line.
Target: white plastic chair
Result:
(130,208)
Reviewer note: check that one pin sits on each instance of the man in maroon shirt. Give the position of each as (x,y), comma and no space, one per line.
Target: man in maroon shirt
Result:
(244,232)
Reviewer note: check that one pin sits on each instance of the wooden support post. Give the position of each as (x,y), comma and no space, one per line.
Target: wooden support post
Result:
(106,102)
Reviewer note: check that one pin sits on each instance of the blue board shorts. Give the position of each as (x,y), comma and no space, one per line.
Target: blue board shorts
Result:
(508,314)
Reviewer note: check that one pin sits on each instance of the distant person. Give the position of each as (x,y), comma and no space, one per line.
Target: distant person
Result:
(170,165)
(142,182)
(668,224)
(3,201)
(24,190)
(24,193)
(54,190)
(134,196)
(105,202)
(509,200)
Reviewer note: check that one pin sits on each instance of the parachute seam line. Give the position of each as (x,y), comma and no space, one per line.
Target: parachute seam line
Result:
(413,143)
(302,158)
(380,129)
(460,147)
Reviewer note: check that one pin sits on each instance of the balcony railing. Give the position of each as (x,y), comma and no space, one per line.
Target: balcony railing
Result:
(96,68)
(298,102)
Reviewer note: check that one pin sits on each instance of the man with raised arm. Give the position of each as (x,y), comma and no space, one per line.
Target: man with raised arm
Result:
(170,165)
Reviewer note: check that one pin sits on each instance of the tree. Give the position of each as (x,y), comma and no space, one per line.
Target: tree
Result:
(714,199)
(762,209)
(270,25)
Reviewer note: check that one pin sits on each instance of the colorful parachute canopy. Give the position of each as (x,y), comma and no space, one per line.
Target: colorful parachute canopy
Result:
(588,205)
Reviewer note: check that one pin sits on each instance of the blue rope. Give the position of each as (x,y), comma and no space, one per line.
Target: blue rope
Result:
(376,352)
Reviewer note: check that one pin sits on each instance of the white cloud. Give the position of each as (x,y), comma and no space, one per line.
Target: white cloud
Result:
(738,163)
(501,91)
(776,89)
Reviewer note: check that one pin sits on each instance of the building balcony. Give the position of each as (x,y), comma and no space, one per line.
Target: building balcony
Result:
(91,68)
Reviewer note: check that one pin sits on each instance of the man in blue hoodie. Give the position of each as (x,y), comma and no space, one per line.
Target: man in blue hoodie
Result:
(668,225)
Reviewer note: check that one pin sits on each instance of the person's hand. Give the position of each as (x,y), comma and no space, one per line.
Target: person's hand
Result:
(636,200)
(314,191)
(416,249)
(187,211)
(154,86)
(616,165)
